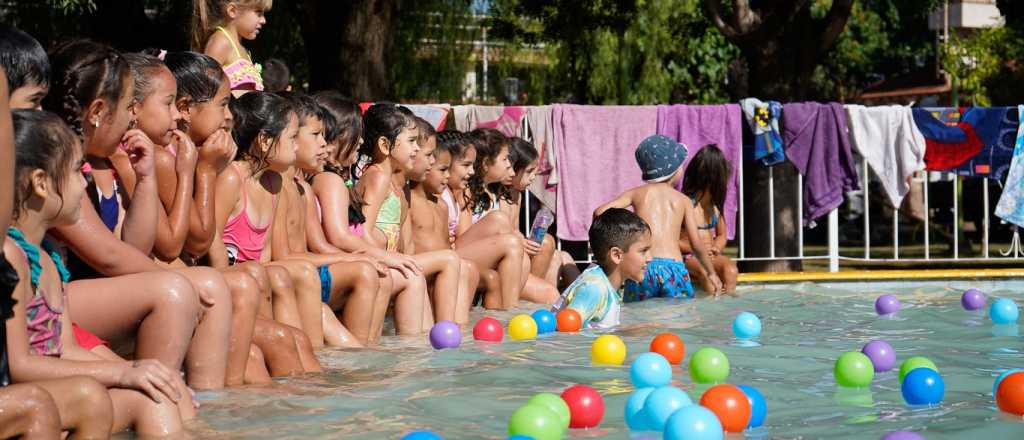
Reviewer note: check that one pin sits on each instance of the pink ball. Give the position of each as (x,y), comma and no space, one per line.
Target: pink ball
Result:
(488,329)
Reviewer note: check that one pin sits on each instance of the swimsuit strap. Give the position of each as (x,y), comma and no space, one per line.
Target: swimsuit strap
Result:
(32,255)
(230,40)
(242,180)
(714,217)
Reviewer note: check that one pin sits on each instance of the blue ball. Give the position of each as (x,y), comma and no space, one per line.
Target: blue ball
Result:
(1003,311)
(634,409)
(693,422)
(923,386)
(995,385)
(520,437)
(746,325)
(421,435)
(661,403)
(545,321)
(758,406)
(650,370)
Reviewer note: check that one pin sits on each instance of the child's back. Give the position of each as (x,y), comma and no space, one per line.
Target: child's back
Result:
(664,209)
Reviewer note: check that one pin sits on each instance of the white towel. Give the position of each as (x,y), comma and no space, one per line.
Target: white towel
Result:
(888,138)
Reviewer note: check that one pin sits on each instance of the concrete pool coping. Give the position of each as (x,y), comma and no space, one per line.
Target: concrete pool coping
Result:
(878,275)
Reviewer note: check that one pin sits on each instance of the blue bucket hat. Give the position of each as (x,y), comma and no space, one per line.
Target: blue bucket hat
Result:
(659,157)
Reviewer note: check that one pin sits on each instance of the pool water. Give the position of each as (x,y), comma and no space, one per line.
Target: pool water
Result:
(470,392)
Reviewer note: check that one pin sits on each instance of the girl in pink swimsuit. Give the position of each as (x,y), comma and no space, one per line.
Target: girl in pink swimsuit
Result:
(217,28)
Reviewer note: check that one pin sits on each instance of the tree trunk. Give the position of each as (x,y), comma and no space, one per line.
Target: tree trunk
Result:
(348,46)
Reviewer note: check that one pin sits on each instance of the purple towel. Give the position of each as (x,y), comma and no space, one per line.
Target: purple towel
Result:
(817,143)
(595,146)
(699,125)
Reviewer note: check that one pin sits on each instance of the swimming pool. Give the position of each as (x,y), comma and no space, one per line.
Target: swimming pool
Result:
(470,392)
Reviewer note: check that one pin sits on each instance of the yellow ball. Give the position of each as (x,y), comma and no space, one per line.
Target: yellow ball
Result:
(522,327)
(609,350)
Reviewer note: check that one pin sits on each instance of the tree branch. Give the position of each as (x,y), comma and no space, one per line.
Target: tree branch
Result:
(712,9)
(834,23)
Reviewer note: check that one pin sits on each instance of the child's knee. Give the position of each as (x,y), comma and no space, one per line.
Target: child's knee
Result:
(730,271)
(212,282)
(93,398)
(245,292)
(256,355)
(279,278)
(305,271)
(366,276)
(176,293)
(511,243)
(258,273)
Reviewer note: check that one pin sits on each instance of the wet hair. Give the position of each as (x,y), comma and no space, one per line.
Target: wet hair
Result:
(381,120)
(344,128)
(305,106)
(22,58)
(83,71)
(208,14)
(276,76)
(144,68)
(488,143)
(454,142)
(199,76)
(708,171)
(615,227)
(426,130)
(258,113)
(521,153)
(42,141)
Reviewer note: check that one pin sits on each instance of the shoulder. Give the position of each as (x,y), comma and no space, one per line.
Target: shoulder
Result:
(16,257)
(374,181)
(218,47)
(230,178)
(326,181)
(163,158)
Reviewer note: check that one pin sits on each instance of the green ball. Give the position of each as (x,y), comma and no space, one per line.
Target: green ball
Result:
(709,365)
(914,363)
(555,403)
(535,421)
(854,370)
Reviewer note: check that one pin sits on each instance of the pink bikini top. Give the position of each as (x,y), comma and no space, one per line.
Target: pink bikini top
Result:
(240,234)
(44,321)
(242,73)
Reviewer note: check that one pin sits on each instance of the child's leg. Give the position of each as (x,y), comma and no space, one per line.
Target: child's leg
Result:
(568,272)
(468,282)
(445,266)
(256,367)
(542,261)
(27,410)
(413,315)
(310,363)
(494,223)
(335,333)
(306,279)
(539,291)
(83,405)
(492,289)
(259,273)
(133,409)
(245,303)
(285,309)
(358,313)
(274,342)
(504,252)
(697,275)
(158,309)
(727,272)
(207,359)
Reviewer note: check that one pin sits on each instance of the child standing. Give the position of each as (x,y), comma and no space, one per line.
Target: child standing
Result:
(669,215)
(217,29)
(621,242)
(704,183)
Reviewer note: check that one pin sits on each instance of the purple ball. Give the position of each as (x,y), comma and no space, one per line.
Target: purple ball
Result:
(882,356)
(973,299)
(887,304)
(445,334)
(902,435)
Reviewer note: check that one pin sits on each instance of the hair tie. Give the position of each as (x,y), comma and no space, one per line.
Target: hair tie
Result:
(163,53)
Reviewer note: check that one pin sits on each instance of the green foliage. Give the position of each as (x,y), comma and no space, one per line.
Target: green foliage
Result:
(432,49)
(974,60)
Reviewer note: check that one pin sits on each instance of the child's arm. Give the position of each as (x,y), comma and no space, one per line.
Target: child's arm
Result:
(214,155)
(315,239)
(698,246)
(90,239)
(140,220)
(721,235)
(377,186)
(406,235)
(623,201)
(175,176)
(229,188)
(218,47)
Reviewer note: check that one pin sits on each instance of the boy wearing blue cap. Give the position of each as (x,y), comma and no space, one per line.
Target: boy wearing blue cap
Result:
(669,214)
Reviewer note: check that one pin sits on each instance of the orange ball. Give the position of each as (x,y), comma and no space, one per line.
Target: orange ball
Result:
(1010,395)
(670,346)
(730,404)
(569,321)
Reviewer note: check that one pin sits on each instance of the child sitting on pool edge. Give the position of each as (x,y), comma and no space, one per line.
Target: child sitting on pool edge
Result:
(621,242)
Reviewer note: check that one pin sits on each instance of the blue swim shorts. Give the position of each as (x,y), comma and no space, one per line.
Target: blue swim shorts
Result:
(325,283)
(664,278)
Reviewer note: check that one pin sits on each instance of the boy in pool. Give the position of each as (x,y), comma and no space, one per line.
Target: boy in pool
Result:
(670,216)
(621,242)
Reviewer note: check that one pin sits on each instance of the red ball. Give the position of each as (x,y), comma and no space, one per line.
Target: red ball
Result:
(569,321)
(586,406)
(670,346)
(730,404)
(1010,395)
(488,329)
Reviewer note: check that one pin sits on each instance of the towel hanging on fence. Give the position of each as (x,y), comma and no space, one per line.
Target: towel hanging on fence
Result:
(816,142)
(595,146)
(538,120)
(763,119)
(699,125)
(1011,203)
(967,139)
(507,120)
(890,142)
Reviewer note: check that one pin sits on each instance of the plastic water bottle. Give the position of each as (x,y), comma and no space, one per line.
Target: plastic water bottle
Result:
(541,222)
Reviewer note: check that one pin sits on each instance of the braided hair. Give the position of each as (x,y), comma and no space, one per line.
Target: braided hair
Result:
(82,71)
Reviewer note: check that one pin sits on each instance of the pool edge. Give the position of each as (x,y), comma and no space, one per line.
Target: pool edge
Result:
(876,275)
